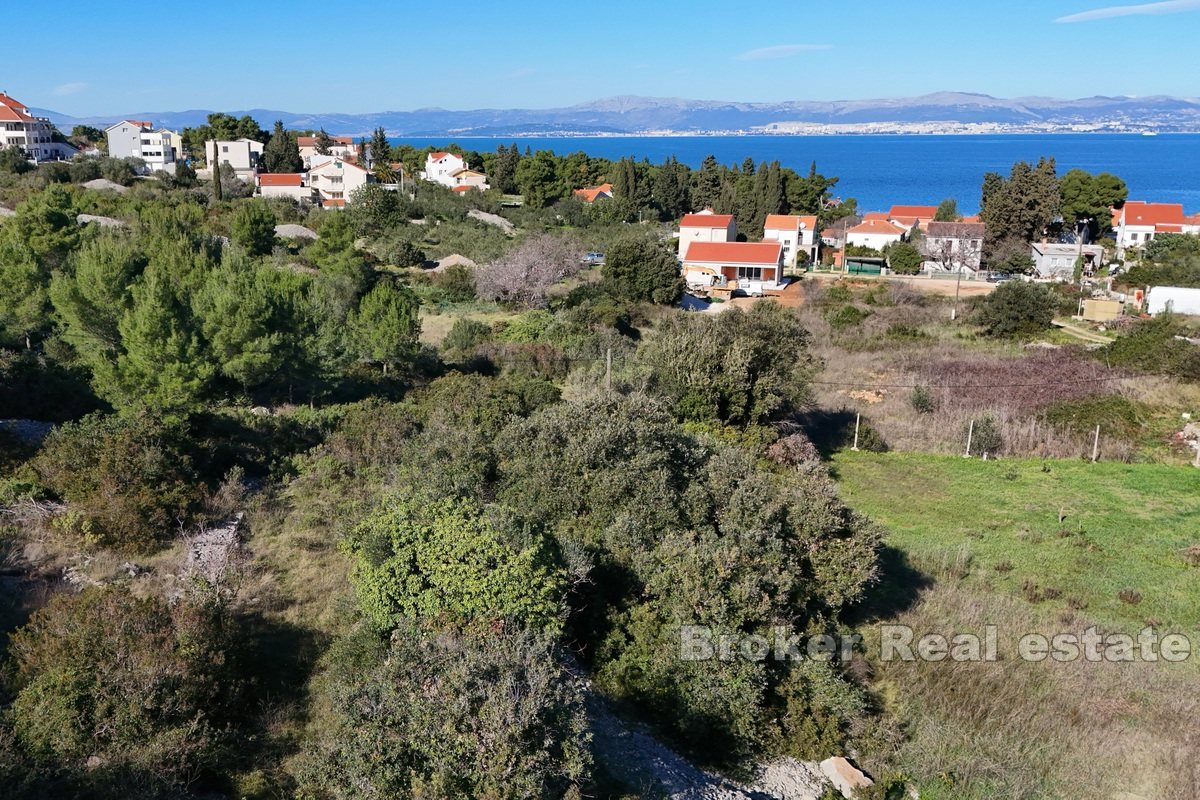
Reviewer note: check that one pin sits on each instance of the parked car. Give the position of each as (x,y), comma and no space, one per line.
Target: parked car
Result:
(593,259)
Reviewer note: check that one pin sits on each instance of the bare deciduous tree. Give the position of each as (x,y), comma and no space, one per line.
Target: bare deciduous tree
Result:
(525,275)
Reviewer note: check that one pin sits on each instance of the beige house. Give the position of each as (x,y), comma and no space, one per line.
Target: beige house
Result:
(339,147)
(705,226)
(953,246)
(335,180)
(243,155)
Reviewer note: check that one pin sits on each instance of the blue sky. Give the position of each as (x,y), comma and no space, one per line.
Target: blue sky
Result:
(299,56)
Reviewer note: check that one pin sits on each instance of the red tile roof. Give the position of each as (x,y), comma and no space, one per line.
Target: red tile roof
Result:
(971,218)
(914,212)
(1138,213)
(13,111)
(764,253)
(789,222)
(311,141)
(333,203)
(875,215)
(589,193)
(461,189)
(438,156)
(878,226)
(706,220)
(280,179)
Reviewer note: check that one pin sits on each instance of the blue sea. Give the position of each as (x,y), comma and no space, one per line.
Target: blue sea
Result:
(917,169)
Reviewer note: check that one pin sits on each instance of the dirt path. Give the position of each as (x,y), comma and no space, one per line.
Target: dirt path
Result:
(1081,333)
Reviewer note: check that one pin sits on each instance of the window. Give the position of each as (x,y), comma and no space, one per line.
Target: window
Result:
(749,273)
(1133,237)
(224,148)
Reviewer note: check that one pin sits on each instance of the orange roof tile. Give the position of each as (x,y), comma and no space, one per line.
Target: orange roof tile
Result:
(1138,213)
(280,179)
(915,212)
(878,226)
(763,253)
(333,203)
(706,220)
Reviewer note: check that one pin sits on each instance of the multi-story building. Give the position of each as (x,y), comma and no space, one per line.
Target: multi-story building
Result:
(131,138)
(33,135)
(339,146)
(797,233)
(243,155)
(335,180)
(705,226)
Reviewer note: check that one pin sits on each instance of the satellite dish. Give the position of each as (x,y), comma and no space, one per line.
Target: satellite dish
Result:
(802,226)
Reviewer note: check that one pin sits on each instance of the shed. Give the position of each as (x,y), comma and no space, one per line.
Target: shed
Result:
(1099,310)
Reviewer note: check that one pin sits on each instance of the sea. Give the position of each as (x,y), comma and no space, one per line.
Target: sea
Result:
(882,170)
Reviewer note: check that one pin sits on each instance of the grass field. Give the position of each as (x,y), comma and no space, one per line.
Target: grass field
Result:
(1066,533)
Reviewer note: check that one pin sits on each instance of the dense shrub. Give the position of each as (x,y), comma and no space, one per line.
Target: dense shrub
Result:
(451,561)
(738,367)
(641,270)
(847,316)
(1117,416)
(465,335)
(1155,346)
(137,688)
(489,714)
(983,436)
(129,482)
(1017,308)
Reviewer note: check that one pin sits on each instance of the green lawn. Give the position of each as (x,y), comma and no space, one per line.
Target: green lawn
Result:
(1123,527)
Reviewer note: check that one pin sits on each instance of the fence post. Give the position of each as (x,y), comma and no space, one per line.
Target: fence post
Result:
(1096,445)
(970,435)
(857,420)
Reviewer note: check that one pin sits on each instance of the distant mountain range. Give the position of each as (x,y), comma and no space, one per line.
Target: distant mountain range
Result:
(940,112)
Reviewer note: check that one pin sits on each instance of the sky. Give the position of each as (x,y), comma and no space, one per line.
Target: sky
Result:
(122,57)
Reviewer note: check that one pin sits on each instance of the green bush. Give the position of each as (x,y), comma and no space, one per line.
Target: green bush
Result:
(129,481)
(985,437)
(465,335)
(846,316)
(138,685)
(450,561)
(641,270)
(1154,346)
(922,400)
(1017,308)
(1117,416)
(489,714)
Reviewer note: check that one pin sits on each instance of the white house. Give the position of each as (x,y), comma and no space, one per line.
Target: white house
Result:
(1056,260)
(953,246)
(292,185)
(750,267)
(243,155)
(705,226)
(335,181)
(339,147)
(34,136)
(131,138)
(797,233)
(1137,223)
(875,233)
(440,167)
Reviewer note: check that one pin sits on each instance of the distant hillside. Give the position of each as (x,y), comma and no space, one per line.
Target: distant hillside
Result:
(629,114)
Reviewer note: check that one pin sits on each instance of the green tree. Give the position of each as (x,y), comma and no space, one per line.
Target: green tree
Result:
(281,153)
(706,188)
(1087,201)
(24,299)
(91,298)
(380,150)
(537,179)
(641,270)
(1022,207)
(324,145)
(947,211)
(503,174)
(1017,308)
(386,326)
(446,561)
(738,367)
(46,224)
(253,227)
(13,160)
(904,258)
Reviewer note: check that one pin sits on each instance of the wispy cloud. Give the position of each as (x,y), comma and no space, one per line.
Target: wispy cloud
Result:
(780,51)
(1141,9)
(68,88)
(523,72)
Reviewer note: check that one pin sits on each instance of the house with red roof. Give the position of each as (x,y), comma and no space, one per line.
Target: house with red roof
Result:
(752,268)
(291,185)
(875,233)
(336,179)
(453,171)
(590,194)
(796,232)
(34,136)
(1137,222)
(705,226)
(339,147)
(910,217)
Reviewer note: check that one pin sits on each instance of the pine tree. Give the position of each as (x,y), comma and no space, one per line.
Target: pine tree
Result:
(324,143)
(253,228)
(706,192)
(380,151)
(385,326)
(281,153)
